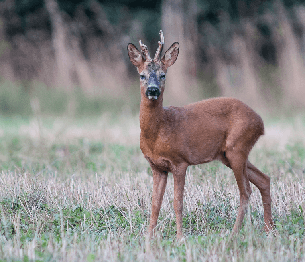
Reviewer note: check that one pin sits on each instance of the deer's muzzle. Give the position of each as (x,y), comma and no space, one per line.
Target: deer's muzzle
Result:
(153,88)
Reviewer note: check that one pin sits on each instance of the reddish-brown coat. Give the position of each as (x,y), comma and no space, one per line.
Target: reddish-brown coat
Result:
(197,133)
(173,138)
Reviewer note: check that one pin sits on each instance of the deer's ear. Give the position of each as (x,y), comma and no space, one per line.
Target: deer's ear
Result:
(170,56)
(135,55)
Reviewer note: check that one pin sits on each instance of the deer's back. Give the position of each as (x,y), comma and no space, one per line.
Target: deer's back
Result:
(223,114)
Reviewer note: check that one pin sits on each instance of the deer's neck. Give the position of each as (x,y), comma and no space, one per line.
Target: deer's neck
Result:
(151,117)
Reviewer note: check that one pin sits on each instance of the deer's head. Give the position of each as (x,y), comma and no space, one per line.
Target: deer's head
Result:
(153,71)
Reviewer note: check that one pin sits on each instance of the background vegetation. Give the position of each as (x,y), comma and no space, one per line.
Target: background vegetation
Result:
(74,185)
(252,50)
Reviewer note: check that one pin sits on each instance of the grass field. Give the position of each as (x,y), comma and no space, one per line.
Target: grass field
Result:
(80,190)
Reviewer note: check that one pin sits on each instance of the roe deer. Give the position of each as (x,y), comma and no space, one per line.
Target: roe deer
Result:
(172,138)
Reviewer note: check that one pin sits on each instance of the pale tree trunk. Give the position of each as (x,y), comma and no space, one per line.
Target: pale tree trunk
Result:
(62,56)
(238,80)
(181,78)
(68,60)
(291,62)
(81,67)
(222,74)
(107,58)
(249,89)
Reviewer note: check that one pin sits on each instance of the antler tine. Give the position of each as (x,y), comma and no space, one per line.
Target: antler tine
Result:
(145,52)
(159,50)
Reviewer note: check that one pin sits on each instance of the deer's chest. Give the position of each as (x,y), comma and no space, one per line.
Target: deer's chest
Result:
(162,153)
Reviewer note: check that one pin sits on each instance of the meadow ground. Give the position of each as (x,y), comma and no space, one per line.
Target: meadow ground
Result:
(80,190)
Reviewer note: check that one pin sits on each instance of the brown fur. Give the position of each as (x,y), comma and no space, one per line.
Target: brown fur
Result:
(174,138)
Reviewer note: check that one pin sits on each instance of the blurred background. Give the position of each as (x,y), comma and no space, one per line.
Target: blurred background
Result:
(70,56)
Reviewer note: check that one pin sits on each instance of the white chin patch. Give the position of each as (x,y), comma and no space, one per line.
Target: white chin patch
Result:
(152,97)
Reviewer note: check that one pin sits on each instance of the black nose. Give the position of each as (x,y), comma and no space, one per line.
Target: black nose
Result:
(153,91)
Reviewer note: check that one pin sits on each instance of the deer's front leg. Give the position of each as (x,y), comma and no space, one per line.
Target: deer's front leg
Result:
(160,180)
(179,181)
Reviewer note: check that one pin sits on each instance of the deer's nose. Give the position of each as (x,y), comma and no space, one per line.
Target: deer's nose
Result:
(153,92)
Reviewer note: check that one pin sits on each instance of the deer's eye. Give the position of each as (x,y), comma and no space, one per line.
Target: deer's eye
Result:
(142,77)
(162,77)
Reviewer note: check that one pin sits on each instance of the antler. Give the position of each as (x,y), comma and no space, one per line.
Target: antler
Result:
(145,52)
(159,50)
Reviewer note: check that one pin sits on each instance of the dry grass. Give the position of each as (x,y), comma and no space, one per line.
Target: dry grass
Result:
(68,211)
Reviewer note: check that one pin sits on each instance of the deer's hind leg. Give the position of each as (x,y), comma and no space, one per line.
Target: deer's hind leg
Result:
(237,160)
(262,182)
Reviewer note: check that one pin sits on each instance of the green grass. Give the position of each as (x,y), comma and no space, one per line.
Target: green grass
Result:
(79,189)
